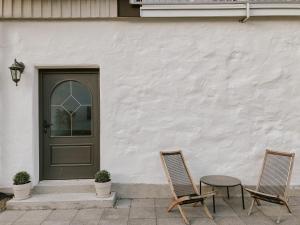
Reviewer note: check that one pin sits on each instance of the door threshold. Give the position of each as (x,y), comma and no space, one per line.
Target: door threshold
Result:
(66,182)
(65,186)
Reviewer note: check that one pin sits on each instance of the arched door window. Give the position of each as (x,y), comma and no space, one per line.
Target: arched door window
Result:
(71,114)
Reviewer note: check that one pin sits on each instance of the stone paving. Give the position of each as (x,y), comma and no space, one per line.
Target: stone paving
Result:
(153,212)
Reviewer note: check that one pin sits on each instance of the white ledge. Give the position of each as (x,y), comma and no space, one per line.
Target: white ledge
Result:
(220,10)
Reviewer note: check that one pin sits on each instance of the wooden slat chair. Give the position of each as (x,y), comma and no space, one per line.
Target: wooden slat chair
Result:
(182,186)
(274,181)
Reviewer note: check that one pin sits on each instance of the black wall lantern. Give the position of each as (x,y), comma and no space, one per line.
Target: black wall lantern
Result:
(16,70)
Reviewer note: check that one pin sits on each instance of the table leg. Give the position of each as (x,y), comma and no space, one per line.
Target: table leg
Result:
(243,201)
(200,188)
(228,193)
(214,204)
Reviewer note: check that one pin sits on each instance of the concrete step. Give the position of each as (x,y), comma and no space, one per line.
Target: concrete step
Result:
(62,201)
(64,186)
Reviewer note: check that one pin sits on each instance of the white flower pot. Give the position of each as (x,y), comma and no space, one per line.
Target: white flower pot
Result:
(103,189)
(22,191)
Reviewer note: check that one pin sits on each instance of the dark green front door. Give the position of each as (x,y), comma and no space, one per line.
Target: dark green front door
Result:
(69,123)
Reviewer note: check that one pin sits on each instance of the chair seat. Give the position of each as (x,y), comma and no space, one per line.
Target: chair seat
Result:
(195,198)
(266,197)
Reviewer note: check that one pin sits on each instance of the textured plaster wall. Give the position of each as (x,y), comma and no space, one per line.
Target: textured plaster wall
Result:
(1,96)
(220,90)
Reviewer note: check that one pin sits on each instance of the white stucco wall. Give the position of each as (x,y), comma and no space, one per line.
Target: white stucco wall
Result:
(1,96)
(220,90)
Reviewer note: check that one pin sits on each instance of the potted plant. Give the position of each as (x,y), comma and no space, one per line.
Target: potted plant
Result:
(102,184)
(22,185)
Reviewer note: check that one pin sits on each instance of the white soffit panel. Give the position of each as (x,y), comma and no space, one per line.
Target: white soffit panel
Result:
(220,10)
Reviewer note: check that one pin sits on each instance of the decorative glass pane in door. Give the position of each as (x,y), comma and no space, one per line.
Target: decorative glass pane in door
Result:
(71,115)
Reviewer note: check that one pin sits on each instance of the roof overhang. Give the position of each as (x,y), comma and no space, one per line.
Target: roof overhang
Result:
(220,10)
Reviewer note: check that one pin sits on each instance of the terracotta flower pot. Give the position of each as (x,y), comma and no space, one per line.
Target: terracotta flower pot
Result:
(22,191)
(103,189)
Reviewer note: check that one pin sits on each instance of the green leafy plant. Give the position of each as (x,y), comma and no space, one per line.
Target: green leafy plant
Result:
(102,176)
(21,178)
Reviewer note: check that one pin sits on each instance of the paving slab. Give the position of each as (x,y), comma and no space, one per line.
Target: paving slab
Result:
(170,221)
(56,223)
(229,221)
(229,212)
(224,211)
(142,213)
(84,223)
(113,222)
(236,205)
(273,210)
(296,211)
(244,212)
(62,215)
(218,201)
(194,212)
(33,217)
(142,222)
(88,216)
(115,214)
(238,201)
(143,202)
(162,202)
(161,212)
(287,220)
(11,216)
(257,220)
(5,223)
(294,201)
(123,203)
(27,223)
(202,221)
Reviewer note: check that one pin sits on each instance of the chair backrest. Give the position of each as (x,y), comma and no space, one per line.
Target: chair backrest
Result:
(276,173)
(177,173)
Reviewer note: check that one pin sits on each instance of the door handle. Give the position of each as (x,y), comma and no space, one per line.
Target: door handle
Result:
(46,125)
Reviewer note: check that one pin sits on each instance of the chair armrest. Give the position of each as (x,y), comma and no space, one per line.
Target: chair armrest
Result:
(264,195)
(186,198)
(253,192)
(208,194)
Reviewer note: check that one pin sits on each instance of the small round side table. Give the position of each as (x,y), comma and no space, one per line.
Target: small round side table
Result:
(222,181)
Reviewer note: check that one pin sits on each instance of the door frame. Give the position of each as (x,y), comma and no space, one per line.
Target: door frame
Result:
(41,74)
